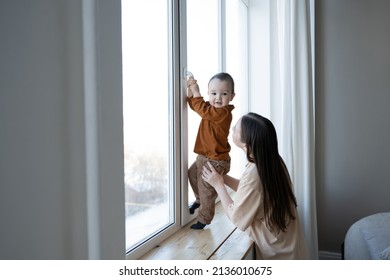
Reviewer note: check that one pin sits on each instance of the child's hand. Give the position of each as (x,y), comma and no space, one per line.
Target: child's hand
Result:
(193,87)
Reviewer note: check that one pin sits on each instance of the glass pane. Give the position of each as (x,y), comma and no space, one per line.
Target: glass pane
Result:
(202,58)
(146,118)
(237,66)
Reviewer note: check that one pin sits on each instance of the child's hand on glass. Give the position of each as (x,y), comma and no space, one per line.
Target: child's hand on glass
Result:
(193,87)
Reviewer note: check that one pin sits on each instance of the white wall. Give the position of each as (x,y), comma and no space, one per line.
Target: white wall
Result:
(352,111)
(60,130)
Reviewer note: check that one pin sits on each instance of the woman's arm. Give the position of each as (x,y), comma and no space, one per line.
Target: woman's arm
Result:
(231,182)
(224,196)
(247,201)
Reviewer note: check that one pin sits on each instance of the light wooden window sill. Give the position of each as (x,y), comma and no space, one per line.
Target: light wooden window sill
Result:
(220,240)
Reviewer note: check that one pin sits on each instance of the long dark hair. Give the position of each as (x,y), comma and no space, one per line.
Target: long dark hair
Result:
(259,135)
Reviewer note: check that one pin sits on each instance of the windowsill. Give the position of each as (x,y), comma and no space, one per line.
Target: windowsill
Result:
(220,240)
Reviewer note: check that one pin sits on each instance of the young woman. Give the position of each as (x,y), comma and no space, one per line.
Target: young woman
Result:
(264,205)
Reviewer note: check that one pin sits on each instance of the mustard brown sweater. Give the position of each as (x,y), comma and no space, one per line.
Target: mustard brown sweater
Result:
(212,139)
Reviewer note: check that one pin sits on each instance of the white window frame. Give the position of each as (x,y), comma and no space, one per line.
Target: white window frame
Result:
(175,135)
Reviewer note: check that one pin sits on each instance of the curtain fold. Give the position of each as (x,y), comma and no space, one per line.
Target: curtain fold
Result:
(292,102)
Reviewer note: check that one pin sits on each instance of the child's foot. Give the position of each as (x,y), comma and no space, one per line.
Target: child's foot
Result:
(198,225)
(193,207)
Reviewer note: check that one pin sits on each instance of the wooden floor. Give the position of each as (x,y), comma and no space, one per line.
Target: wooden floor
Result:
(219,241)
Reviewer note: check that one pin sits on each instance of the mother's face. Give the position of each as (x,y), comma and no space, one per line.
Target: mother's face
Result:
(237,135)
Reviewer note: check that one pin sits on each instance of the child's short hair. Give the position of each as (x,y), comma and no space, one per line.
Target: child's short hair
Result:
(224,77)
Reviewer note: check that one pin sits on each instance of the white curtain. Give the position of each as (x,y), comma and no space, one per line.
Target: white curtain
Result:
(292,102)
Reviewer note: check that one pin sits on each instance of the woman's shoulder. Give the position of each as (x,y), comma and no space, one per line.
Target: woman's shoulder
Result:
(250,177)
(251,169)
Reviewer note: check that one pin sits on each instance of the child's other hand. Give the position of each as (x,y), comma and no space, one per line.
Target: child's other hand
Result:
(193,87)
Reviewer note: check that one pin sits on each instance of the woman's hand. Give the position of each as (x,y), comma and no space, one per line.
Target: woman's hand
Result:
(211,176)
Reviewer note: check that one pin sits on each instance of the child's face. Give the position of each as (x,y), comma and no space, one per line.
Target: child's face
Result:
(220,93)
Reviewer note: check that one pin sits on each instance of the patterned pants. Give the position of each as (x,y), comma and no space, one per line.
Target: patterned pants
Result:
(205,194)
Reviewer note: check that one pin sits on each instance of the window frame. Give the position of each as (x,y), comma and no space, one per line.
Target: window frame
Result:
(175,143)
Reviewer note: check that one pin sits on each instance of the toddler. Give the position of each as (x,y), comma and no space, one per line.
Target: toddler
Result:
(211,143)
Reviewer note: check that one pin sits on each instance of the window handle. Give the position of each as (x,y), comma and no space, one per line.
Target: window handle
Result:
(188,73)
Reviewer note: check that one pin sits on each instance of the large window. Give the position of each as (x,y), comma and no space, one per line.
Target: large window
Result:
(155,118)
(147,107)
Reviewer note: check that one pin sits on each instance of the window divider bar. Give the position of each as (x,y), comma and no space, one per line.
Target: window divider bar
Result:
(185,216)
(222,34)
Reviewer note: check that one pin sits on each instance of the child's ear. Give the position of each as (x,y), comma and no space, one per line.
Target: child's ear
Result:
(233,94)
